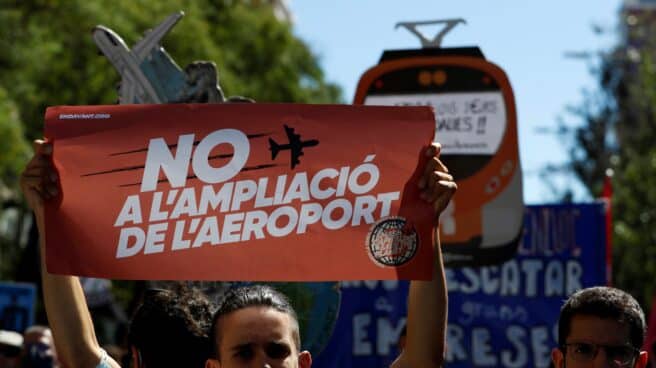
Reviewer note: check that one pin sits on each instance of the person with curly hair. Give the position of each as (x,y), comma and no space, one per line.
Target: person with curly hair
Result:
(168,330)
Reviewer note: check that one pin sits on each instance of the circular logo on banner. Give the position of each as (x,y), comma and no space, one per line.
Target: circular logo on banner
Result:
(390,243)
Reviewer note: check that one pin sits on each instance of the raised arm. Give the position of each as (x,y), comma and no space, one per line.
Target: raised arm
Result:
(64,299)
(427,300)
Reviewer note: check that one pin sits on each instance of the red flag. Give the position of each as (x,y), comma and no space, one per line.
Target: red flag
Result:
(607,195)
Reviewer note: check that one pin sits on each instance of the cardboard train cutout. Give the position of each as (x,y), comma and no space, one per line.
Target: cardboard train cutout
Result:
(476,124)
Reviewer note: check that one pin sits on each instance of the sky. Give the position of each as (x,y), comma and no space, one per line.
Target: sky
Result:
(528,39)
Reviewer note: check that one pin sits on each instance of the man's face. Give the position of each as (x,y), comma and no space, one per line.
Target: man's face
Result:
(258,337)
(595,342)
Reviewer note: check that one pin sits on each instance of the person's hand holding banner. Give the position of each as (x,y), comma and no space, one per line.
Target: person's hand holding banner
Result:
(39,180)
(243,192)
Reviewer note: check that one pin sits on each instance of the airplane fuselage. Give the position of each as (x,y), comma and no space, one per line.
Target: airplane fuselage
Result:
(290,146)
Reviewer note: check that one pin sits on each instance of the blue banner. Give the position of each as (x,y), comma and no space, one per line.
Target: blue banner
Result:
(499,316)
(16,306)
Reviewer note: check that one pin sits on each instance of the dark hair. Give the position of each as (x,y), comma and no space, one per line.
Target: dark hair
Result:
(252,296)
(170,328)
(603,302)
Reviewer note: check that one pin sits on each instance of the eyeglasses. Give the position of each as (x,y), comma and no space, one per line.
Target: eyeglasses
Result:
(621,356)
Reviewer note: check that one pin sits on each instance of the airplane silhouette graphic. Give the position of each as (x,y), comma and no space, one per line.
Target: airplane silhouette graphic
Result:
(295,145)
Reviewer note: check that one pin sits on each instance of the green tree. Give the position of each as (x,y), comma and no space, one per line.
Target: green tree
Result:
(14,152)
(616,134)
(13,146)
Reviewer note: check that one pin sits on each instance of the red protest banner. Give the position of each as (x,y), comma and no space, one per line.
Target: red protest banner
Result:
(239,192)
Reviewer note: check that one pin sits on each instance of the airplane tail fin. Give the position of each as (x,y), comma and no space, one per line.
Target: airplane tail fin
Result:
(274,148)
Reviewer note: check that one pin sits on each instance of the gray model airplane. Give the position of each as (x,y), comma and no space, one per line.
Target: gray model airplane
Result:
(149,74)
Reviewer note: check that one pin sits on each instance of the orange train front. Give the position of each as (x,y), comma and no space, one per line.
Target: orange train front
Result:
(476,124)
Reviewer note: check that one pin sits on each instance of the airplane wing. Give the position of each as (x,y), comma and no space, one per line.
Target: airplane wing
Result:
(129,90)
(133,82)
(294,139)
(295,144)
(151,39)
(297,151)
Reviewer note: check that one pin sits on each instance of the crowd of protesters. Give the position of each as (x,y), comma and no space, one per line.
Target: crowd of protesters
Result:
(254,326)
(257,326)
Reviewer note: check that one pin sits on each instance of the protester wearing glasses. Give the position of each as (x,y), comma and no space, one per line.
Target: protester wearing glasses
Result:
(600,327)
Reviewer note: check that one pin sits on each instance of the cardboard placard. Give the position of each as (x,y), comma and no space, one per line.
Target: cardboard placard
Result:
(239,192)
